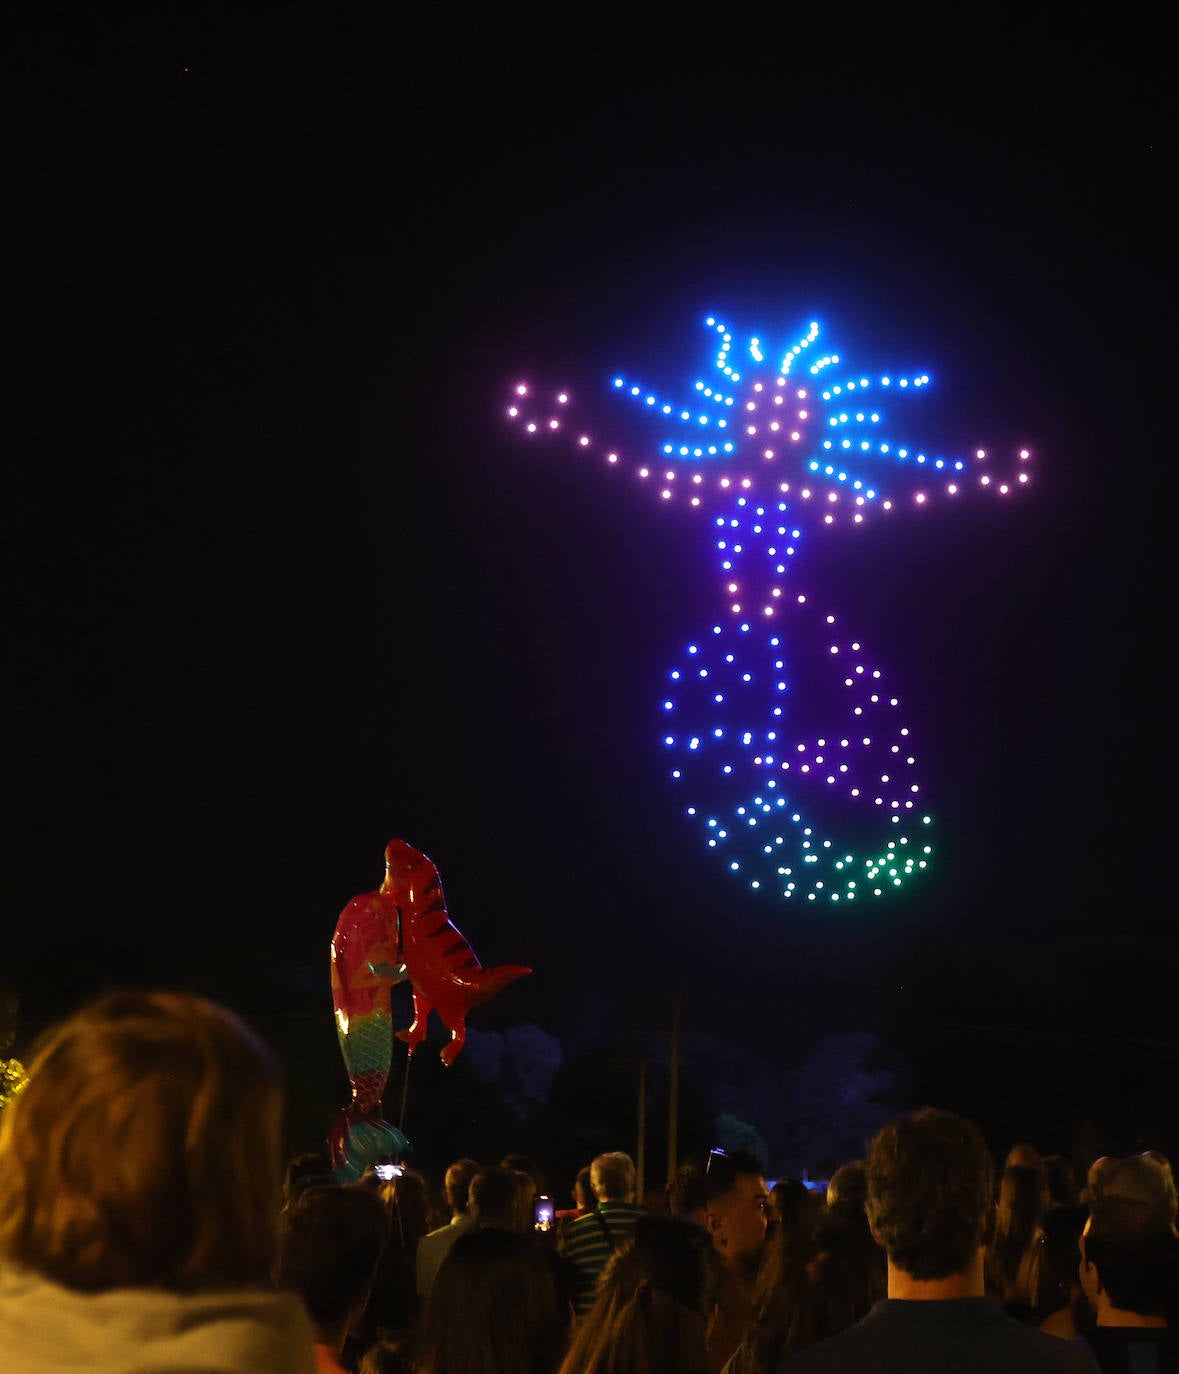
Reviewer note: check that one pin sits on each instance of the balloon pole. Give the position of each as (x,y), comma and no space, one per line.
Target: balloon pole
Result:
(673,1093)
(404,1090)
(641,1143)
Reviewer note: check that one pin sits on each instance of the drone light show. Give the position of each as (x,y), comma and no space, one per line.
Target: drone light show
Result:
(785,737)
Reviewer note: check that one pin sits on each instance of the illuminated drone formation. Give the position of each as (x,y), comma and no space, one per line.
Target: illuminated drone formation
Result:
(824,807)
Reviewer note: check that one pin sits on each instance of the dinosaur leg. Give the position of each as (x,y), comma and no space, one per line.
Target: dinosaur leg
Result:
(415,1033)
(458,1038)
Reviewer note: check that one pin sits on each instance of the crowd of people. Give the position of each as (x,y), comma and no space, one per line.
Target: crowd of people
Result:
(146,1226)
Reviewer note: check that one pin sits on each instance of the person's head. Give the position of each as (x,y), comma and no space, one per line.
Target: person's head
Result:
(583,1190)
(407,1203)
(1141,1178)
(612,1177)
(1022,1156)
(848,1186)
(1095,1176)
(388,1356)
(1018,1207)
(303,1170)
(1060,1181)
(686,1194)
(929,1192)
(456,1186)
(145,1149)
(736,1204)
(525,1164)
(493,1307)
(1047,1279)
(329,1244)
(651,1306)
(1129,1258)
(495,1198)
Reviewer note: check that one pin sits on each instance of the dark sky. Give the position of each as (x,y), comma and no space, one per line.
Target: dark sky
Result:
(285,587)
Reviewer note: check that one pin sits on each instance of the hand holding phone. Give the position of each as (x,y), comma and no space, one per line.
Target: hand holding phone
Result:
(542,1213)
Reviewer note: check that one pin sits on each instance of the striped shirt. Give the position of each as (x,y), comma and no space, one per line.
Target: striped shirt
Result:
(587,1248)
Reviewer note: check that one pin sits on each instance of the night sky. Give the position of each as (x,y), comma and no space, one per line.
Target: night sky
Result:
(286,585)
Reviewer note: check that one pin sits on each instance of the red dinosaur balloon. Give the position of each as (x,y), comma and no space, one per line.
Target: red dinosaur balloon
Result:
(403,932)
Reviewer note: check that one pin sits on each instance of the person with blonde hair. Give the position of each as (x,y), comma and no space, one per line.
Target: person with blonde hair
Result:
(139,1194)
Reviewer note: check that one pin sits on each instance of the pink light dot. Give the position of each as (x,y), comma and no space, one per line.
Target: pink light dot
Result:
(784,488)
(1023,477)
(612,457)
(736,608)
(669,476)
(750,405)
(806,493)
(643,472)
(750,429)
(768,610)
(920,498)
(584,440)
(562,399)
(984,480)
(531,428)
(775,426)
(888,505)
(732,586)
(858,519)
(829,520)
(980,454)
(1004,488)
(803,414)
(757,386)
(953,489)
(695,500)
(769,453)
(801,393)
(746,483)
(513,411)
(802,600)
(724,481)
(832,496)
(521,390)
(1024,454)
(794,434)
(776,591)
(665,493)
(554,424)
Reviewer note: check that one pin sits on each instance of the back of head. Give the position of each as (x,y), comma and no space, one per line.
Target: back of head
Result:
(1135,1252)
(613,1176)
(304,1170)
(492,1309)
(144,1150)
(650,1312)
(688,1194)
(457,1184)
(330,1242)
(1141,1178)
(495,1198)
(1060,1180)
(929,1191)
(848,1186)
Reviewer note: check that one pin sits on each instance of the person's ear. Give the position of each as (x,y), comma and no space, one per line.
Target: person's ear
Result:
(713,1222)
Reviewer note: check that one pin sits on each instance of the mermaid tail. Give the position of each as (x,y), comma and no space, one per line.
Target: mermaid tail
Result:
(364,966)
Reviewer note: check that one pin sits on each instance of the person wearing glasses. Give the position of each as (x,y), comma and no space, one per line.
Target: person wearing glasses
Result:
(736,1213)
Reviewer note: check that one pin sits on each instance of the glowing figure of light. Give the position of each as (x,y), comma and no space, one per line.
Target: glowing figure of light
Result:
(807,790)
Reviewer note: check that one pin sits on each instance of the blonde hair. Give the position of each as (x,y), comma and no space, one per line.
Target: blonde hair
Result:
(145,1149)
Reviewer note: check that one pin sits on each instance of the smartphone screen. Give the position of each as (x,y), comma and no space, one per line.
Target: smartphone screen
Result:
(543,1213)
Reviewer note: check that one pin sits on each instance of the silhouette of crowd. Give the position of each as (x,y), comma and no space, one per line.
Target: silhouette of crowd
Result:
(146,1226)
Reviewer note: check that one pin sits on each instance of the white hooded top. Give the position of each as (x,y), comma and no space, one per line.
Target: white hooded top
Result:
(48,1329)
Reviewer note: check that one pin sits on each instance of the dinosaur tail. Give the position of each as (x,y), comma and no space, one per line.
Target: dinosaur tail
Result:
(489,981)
